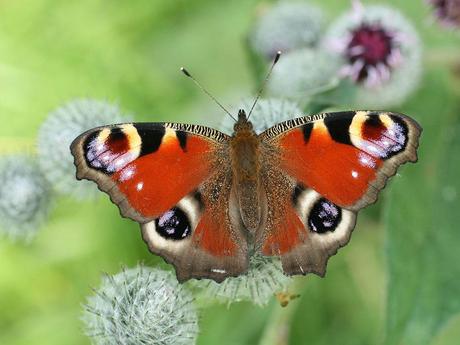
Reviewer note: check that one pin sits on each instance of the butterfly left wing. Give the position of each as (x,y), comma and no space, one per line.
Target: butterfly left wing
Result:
(319,171)
(175,180)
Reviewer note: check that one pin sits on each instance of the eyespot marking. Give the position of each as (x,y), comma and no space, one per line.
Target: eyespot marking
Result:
(110,149)
(173,224)
(324,216)
(117,141)
(372,128)
(379,135)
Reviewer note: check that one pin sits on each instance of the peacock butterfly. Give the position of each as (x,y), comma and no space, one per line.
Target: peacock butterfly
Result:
(206,201)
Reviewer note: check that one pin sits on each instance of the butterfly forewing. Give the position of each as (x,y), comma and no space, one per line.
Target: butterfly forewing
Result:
(345,156)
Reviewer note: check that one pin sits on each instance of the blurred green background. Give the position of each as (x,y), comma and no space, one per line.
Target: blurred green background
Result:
(396,282)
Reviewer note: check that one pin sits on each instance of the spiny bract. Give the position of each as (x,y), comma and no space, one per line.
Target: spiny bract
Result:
(141,306)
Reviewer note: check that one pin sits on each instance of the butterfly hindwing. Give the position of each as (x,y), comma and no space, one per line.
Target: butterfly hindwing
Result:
(175,180)
(211,243)
(302,228)
(330,166)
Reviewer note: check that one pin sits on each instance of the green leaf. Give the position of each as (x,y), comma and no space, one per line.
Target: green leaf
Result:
(337,94)
(422,220)
(242,323)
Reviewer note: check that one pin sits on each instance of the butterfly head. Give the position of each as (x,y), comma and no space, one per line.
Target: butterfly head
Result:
(243,124)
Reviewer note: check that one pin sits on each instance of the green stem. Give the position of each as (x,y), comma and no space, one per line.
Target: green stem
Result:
(278,326)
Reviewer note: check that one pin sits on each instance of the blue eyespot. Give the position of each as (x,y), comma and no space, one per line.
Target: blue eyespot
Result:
(173,224)
(324,216)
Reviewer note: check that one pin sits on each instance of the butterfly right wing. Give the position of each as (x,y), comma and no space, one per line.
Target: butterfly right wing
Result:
(175,180)
(319,171)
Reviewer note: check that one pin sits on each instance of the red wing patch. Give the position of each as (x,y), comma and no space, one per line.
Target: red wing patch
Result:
(291,232)
(199,236)
(216,232)
(283,229)
(146,168)
(155,182)
(347,157)
(338,171)
(213,235)
(302,228)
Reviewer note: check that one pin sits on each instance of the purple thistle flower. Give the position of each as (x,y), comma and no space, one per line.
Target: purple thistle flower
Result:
(447,12)
(380,53)
(372,52)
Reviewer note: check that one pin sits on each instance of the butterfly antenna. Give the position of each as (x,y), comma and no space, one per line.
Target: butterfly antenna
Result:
(206,92)
(262,87)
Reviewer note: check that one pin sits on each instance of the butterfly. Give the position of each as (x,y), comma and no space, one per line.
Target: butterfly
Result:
(207,201)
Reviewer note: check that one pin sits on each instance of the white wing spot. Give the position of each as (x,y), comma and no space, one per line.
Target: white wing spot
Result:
(354,174)
(127,173)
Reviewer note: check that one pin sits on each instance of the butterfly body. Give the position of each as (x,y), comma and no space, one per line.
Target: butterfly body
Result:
(206,201)
(246,165)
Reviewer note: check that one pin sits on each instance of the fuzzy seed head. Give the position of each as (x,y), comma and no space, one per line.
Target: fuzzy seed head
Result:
(141,306)
(267,113)
(258,285)
(24,197)
(56,134)
(301,74)
(286,26)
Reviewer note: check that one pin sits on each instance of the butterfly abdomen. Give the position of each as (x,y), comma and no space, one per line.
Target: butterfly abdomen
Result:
(245,158)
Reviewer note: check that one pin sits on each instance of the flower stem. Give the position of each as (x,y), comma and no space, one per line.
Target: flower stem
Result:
(278,326)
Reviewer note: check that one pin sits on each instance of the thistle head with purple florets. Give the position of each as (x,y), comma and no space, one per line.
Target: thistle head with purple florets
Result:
(380,53)
(447,12)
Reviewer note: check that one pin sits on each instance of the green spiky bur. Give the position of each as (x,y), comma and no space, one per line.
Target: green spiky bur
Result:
(286,26)
(141,306)
(57,133)
(258,285)
(303,73)
(24,197)
(267,113)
